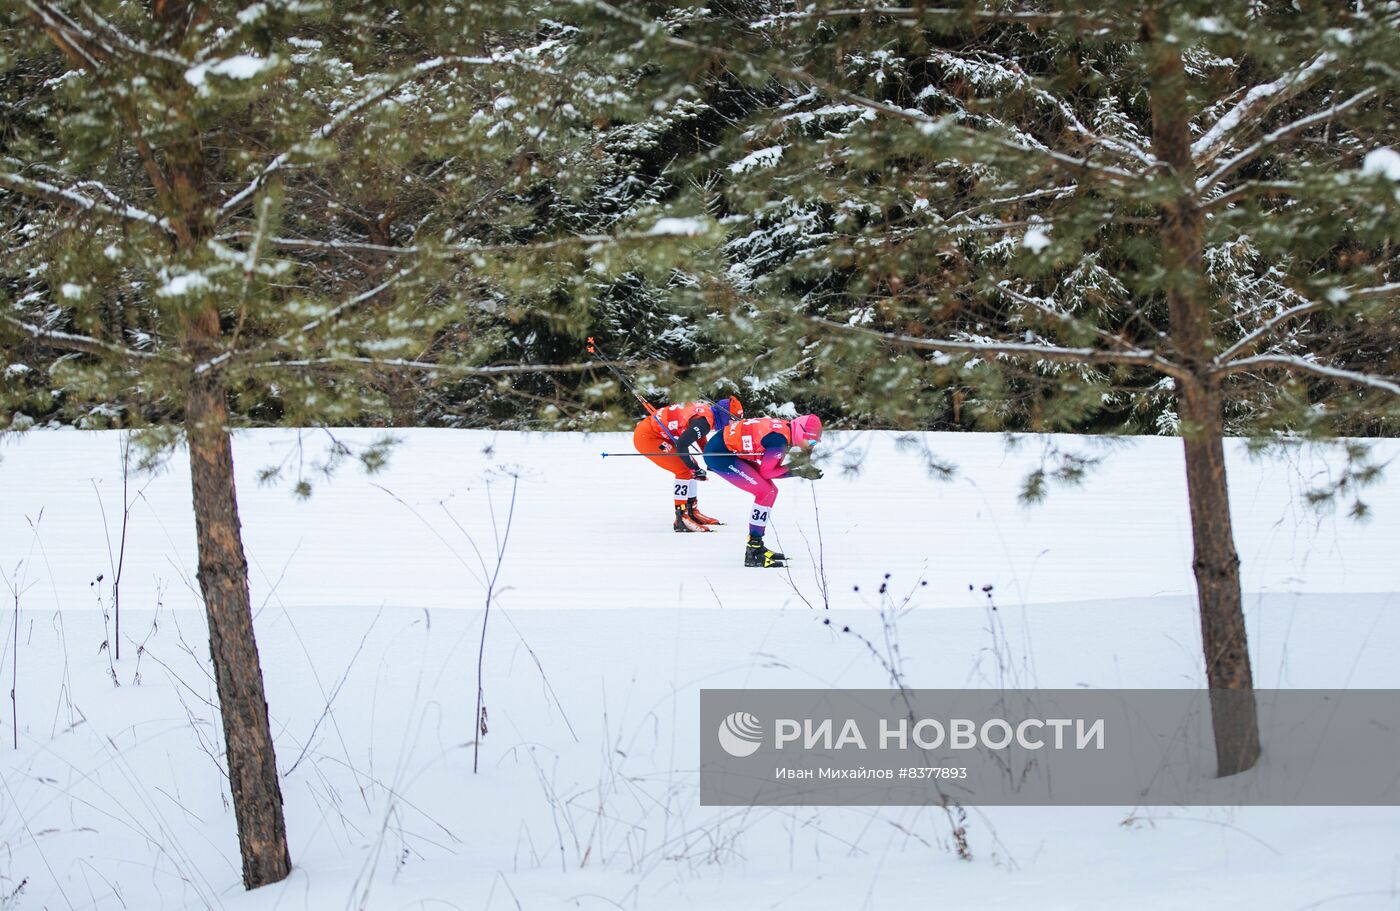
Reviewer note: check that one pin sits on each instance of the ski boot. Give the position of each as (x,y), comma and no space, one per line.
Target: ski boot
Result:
(684,522)
(698,517)
(755,554)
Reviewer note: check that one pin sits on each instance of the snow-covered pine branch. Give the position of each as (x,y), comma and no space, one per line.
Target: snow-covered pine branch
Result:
(1027,351)
(1009,72)
(1073,164)
(1042,307)
(1250,188)
(41,189)
(1294,364)
(128,43)
(345,116)
(68,34)
(1029,17)
(592,243)
(330,246)
(448,368)
(1059,192)
(335,314)
(1248,342)
(1255,103)
(82,344)
(1390,289)
(1238,353)
(1300,125)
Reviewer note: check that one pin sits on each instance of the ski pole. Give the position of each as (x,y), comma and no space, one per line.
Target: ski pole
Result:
(593,349)
(607,362)
(644,455)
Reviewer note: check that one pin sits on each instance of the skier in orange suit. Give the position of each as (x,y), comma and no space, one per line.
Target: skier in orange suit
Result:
(666,435)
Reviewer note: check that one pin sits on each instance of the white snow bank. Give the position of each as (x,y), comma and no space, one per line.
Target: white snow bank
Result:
(607,624)
(587,783)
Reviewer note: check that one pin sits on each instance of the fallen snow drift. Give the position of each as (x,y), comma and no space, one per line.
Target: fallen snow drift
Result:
(369,600)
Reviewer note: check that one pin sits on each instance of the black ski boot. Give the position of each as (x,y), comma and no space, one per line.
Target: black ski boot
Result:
(684,522)
(755,554)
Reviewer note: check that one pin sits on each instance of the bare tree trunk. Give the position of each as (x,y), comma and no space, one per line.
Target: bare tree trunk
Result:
(223,580)
(1216,563)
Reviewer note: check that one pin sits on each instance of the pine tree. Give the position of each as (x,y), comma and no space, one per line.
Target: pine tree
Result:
(270,215)
(1163,213)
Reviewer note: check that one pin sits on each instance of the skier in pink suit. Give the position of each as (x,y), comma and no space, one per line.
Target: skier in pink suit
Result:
(749,454)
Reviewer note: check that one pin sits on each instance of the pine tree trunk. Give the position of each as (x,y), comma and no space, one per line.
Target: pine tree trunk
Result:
(1217,566)
(402,393)
(1216,563)
(223,580)
(183,191)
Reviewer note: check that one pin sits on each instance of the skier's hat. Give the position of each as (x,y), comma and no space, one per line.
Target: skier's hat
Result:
(731,405)
(806,429)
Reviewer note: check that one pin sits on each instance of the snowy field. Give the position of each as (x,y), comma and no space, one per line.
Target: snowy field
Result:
(605,627)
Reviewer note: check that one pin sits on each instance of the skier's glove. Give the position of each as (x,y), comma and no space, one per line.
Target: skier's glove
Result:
(808,471)
(700,475)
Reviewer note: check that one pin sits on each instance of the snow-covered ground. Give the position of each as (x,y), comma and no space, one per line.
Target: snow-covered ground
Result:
(606,625)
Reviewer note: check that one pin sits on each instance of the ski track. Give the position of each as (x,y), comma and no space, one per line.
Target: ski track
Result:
(593,532)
